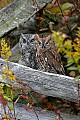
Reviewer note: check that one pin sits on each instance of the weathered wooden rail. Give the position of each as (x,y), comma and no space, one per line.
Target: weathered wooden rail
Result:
(22,114)
(48,84)
(16,13)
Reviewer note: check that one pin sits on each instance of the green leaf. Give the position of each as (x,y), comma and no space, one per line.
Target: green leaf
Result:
(17,99)
(7,90)
(11,107)
(49,15)
(7,116)
(72,68)
(8,85)
(66,6)
(45,23)
(69,64)
(53,9)
(7,98)
(78,78)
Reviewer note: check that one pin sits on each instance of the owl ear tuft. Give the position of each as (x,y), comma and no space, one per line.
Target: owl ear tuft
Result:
(48,38)
(36,36)
(22,34)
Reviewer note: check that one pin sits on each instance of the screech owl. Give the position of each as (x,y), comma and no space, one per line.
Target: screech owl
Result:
(40,53)
(28,52)
(48,56)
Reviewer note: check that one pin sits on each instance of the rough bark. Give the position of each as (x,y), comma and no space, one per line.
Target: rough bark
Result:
(48,84)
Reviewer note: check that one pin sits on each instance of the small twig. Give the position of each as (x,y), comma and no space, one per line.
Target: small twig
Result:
(35,113)
(5,114)
(14,110)
(79,93)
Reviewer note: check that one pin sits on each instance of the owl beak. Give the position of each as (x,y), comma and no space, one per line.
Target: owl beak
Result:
(43,46)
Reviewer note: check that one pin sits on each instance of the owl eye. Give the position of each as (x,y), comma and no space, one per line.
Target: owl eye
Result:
(47,43)
(24,41)
(32,40)
(39,43)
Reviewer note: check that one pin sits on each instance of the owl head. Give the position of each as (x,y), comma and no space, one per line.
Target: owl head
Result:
(44,41)
(26,42)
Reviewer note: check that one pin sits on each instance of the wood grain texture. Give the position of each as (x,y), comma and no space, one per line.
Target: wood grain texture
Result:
(48,84)
(29,114)
(16,13)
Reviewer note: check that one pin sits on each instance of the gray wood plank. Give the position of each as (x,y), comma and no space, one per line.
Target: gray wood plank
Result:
(19,11)
(45,83)
(22,114)
(14,14)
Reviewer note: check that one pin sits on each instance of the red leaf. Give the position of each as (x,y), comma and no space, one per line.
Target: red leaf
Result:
(3,100)
(64,20)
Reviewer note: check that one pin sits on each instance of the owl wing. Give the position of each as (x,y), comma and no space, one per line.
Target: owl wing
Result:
(50,60)
(54,58)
